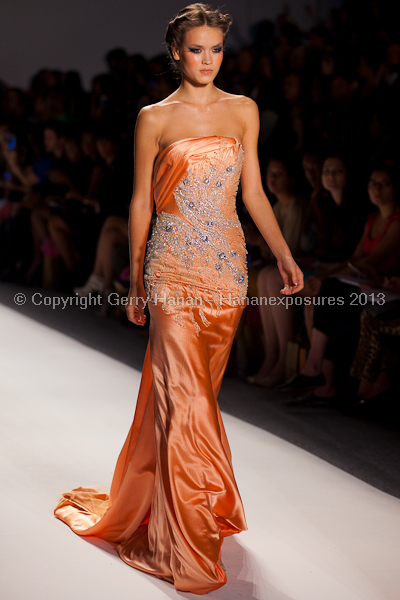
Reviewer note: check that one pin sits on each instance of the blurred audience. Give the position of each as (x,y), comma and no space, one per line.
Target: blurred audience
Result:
(336,314)
(328,99)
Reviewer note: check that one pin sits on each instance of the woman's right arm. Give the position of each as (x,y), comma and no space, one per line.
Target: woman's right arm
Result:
(141,207)
(26,176)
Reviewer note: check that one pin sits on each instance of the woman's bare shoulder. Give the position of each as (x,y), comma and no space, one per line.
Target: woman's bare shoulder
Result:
(242,109)
(238,101)
(155,117)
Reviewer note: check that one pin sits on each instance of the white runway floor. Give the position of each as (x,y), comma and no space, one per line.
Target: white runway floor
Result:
(315,532)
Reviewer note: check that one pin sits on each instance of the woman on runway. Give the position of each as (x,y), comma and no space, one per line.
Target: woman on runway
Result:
(174,496)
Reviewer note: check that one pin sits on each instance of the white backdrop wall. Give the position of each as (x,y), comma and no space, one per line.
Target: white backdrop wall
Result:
(75,34)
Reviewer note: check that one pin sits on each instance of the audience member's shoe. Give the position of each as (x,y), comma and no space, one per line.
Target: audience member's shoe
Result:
(363,405)
(105,307)
(260,380)
(301,382)
(310,399)
(95,283)
(33,279)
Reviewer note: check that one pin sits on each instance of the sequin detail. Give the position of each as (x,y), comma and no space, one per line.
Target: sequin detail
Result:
(206,250)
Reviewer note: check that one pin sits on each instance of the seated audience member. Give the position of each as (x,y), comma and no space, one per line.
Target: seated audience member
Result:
(290,212)
(48,179)
(89,147)
(312,168)
(73,215)
(376,254)
(114,233)
(111,196)
(13,197)
(335,216)
(334,224)
(328,233)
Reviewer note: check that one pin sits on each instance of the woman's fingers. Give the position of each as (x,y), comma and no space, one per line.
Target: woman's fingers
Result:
(293,282)
(135,310)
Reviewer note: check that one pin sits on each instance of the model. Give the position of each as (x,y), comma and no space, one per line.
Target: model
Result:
(173,496)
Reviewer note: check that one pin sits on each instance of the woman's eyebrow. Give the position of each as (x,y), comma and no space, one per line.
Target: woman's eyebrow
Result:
(199,46)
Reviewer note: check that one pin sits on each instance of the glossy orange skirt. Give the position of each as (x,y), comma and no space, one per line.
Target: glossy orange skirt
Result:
(173,496)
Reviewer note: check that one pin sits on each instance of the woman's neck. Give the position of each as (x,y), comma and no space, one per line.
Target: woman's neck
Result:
(110,159)
(386,210)
(199,95)
(337,196)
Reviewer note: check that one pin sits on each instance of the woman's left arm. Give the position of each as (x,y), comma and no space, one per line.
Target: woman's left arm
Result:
(389,245)
(258,204)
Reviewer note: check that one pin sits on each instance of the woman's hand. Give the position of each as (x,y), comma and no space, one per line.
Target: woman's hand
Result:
(10,156)
(314,284)
(136,304)
(392,284)
(292,276)
(73,195)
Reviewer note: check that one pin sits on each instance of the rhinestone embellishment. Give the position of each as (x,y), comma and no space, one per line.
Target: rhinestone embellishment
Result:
(204,248)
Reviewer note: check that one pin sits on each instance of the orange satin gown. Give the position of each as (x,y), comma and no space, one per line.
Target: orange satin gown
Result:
(173,496)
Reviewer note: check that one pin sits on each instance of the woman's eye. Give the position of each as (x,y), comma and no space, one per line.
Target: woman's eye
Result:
(195,50)
(216,50)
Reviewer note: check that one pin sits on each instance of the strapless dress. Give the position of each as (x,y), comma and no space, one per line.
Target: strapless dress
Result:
(173,496)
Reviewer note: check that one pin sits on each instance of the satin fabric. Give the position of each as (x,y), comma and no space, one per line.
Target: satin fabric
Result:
(173,496)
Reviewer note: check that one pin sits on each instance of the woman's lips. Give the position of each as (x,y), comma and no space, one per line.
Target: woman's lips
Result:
(206,71)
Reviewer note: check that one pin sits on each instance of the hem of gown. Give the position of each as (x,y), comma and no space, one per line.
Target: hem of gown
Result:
(201,591)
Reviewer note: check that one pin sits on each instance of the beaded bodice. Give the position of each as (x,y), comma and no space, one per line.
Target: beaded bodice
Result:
(197,239)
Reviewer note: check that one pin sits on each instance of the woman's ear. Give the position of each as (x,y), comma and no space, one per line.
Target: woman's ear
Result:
(175,51)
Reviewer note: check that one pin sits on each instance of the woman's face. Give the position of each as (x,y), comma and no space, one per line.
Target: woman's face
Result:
(277,178)
(334,174)
(291,88)
(106,148)
(88,144)
(380,189)
(312,169)
(72,150)
(201,54)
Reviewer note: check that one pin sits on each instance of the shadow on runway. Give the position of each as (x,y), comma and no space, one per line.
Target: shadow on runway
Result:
(246,578)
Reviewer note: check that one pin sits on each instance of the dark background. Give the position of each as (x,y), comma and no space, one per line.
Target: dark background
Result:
(76,34)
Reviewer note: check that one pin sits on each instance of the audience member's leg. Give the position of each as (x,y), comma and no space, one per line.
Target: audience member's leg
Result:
(270,335)
(62,235)
(39,219)
(369,364)
(282,317)
(319,342)
(114,232)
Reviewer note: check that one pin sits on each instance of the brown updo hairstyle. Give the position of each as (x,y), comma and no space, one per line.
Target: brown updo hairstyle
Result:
(193,15)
